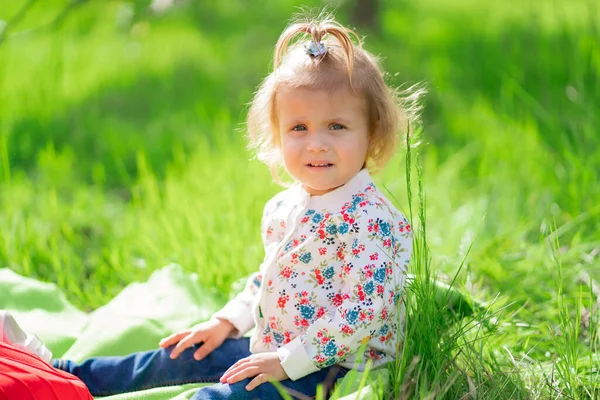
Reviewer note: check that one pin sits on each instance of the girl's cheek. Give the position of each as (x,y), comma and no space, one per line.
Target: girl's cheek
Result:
(292,143)
(289,149)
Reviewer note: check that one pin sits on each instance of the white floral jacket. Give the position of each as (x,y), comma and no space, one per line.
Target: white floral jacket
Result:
(331,281)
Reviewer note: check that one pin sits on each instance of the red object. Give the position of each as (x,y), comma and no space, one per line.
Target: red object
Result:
(25,376)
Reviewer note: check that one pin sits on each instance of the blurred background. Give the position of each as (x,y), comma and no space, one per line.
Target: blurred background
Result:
(122,147)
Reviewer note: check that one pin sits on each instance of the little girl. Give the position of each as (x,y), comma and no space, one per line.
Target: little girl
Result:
(327,296)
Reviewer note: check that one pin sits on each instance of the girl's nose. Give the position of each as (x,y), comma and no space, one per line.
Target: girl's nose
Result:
(316,143)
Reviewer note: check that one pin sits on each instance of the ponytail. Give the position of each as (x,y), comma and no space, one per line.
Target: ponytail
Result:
(318,30)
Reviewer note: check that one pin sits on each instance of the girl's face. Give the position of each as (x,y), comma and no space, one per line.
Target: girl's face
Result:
(324,136)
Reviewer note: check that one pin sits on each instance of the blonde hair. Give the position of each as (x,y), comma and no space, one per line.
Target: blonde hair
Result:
(345,64)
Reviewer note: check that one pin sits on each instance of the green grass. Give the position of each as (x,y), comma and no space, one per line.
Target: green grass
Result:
(121,149)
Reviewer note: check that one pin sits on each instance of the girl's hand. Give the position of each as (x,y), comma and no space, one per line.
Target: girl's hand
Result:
(264,366)
(210,333)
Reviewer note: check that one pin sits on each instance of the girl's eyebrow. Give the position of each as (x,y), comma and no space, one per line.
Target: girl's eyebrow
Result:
(340,119)
(295,120)
(302,119)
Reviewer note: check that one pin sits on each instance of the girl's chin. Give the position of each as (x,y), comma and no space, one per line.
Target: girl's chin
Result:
(318,190)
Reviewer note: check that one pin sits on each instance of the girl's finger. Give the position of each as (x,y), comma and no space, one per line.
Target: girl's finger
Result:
(183,344)
(237,364)
(233,369)
(259,380)
(248,372)
(172,339)
(204,350)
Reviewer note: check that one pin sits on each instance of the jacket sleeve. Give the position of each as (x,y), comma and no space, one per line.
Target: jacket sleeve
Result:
(240,310)
(373,271)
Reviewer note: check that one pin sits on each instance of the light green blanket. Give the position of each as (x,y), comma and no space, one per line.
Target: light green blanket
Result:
(135,320)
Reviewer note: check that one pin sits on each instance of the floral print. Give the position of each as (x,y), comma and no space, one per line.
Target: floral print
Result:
(328,349)
(274,334)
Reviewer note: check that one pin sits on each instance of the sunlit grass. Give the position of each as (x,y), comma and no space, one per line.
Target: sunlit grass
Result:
(121,150)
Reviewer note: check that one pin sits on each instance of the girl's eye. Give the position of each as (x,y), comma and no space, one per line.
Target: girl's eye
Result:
(336,127)
(299,128)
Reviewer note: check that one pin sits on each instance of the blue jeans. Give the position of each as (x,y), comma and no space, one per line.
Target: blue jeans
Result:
(106,376)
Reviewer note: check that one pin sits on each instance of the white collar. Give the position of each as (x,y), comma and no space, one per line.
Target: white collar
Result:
(337,197)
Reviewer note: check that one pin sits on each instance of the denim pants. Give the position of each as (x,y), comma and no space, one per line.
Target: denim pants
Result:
(143,370)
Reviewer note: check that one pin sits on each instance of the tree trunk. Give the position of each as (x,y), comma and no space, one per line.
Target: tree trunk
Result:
(364,14)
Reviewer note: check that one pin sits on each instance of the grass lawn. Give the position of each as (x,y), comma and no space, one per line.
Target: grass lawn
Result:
(122,149)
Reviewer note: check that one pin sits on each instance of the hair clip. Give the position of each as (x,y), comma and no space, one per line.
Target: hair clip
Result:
(315,49)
